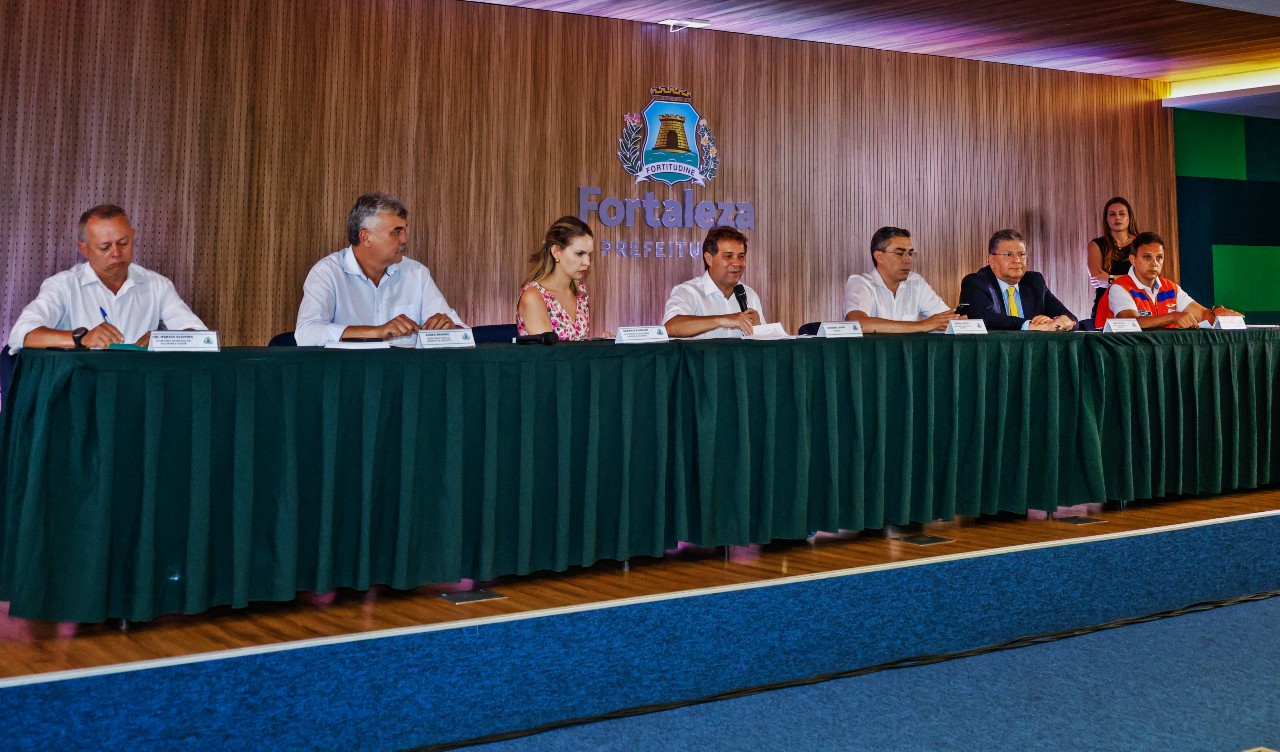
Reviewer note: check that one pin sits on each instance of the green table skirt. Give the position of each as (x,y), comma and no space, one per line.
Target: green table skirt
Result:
(138,484)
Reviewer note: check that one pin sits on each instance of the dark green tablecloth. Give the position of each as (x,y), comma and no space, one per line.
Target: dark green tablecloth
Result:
(137,484)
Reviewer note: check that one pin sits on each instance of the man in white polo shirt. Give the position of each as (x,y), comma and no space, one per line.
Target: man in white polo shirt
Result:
(108,300)
(891,298)
(369,290)
(707,307)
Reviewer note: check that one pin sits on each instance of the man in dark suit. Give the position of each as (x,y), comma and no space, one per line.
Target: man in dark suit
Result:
(1007,296)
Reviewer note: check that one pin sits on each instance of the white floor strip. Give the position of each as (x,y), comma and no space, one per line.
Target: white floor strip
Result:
(619,603)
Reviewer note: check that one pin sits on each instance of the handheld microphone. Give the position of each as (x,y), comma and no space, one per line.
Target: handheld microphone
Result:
(546,338)
(740,293)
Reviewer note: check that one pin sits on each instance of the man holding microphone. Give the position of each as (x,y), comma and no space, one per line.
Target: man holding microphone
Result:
(716,304)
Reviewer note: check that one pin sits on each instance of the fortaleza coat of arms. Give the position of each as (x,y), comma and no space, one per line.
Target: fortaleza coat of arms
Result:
(668,142)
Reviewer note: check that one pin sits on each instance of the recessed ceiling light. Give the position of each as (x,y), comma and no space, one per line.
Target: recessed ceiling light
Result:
(1237,84)
(680,24)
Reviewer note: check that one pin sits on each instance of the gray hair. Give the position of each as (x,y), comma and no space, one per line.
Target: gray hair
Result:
(367,209)
(101,211)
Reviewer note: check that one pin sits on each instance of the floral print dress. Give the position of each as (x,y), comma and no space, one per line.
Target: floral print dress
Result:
(577,328)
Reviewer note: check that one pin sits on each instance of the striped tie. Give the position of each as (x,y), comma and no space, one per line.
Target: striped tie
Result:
(1013,303)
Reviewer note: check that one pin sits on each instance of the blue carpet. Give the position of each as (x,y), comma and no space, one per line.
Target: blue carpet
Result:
(402,691)
(1207,681)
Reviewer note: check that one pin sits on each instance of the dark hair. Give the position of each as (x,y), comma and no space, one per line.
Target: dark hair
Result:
(881,239)
(720,232)
(367,209)
(101,211)
(1001,236)
(560,234)
(1145,238)
(1110,250)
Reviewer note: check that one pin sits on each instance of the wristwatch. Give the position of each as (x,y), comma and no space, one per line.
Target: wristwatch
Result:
(77,334)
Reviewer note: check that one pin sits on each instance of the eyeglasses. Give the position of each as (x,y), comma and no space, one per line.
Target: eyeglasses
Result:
(1019,256)
(910,254)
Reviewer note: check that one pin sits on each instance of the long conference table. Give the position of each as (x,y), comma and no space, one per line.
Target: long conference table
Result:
(139,484)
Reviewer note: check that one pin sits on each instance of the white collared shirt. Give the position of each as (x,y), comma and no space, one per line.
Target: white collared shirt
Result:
(76,297)
(915,300)
(700,297)
(337,294)
(1120,300)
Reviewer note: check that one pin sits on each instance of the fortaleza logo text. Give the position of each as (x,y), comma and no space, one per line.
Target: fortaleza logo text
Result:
(669,143)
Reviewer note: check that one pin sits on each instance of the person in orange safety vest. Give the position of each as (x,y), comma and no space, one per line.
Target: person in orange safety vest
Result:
(1155,301)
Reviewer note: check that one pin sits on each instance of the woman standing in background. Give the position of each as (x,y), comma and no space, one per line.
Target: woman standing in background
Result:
(1109,255)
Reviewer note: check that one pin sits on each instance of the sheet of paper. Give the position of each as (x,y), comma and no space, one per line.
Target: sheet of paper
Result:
(769,331)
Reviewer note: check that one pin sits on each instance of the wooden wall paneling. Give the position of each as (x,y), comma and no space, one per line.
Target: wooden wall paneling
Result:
(238,134)
(1169,40)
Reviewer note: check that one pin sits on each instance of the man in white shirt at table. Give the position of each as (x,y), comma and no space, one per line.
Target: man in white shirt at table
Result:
(108,300)
(369,290)
(891,298)
(706,307)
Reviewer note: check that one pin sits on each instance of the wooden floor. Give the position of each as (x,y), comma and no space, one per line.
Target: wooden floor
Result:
(30,647)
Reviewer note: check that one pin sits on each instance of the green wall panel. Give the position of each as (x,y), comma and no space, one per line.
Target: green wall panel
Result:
(1209,145)
(1247,277)
(1262,139)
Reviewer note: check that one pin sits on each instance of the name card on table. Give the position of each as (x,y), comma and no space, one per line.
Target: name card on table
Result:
(1229,322)
(966,326)
(183,342)
(768,331)
(641,335)
(445,339)
(840,329)
(358,344)
(1122,325)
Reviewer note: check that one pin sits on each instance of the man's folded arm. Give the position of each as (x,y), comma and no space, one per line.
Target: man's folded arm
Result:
(315,327)
(39,324)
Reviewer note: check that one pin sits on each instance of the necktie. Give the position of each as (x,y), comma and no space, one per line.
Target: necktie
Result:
(1013,303)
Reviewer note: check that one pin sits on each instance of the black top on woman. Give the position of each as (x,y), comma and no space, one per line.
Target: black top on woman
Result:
(1108,255)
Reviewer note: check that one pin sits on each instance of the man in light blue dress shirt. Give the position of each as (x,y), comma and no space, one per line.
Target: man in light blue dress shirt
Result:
(369,290)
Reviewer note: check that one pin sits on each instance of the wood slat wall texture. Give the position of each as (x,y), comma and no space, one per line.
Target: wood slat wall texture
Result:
(237,133)
(1169,40)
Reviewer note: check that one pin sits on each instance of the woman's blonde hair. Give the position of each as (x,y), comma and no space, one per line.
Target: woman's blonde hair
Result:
(561,233)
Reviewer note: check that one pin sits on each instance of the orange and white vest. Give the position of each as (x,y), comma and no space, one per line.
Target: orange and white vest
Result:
(1166,299)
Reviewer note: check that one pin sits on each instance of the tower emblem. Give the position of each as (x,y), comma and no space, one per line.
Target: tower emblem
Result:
(669,142)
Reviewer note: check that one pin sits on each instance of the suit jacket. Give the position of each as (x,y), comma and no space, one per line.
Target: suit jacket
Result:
(981,291)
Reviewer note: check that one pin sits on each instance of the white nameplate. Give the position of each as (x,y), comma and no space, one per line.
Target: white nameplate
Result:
(1229,322)
(768,331)
(348,344)
(1122,325)
(840,329)
(183,342)
(966,326)
(433,339)
(640,335)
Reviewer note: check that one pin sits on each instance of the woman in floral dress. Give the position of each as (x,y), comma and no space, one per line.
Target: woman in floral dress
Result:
(554,295)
